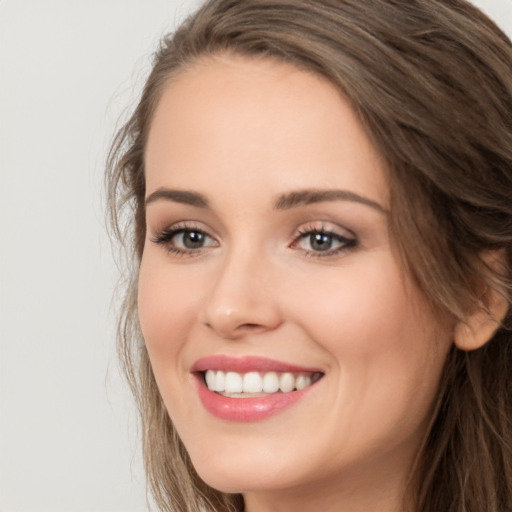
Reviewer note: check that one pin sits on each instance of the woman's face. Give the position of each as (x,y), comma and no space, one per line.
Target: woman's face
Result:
(268,264)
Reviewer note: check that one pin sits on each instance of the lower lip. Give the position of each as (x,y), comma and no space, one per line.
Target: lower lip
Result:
(247,409)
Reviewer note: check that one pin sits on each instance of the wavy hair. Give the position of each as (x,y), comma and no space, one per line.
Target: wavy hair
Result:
(431,82)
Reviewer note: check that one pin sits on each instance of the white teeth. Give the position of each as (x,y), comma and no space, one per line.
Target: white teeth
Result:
(256,382)
(286,382)
(303,381)
(270,382)
(210,379)
(252,383)
(219,381)
(233,383)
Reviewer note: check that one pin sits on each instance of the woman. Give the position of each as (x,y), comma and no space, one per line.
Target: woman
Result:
(318,198)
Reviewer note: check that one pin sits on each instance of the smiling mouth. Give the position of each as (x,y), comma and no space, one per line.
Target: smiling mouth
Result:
(257,384)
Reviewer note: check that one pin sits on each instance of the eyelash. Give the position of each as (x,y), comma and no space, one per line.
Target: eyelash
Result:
(346,243)
(165,237)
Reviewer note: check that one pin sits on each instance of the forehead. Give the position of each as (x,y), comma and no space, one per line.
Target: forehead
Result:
(242,119)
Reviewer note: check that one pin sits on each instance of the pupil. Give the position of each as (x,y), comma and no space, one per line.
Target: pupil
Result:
(193,239)
(321,242)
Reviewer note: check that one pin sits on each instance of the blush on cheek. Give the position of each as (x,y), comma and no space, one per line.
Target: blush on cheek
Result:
(168,311)
(155,310)
(361,312)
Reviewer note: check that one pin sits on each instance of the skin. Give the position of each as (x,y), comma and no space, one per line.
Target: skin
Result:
(241,133)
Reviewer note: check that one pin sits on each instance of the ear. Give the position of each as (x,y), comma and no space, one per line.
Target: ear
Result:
(482,323)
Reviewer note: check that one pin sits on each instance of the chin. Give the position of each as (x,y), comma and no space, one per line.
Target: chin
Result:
(244,472)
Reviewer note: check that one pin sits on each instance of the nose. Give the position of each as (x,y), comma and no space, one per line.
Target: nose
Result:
(243,299)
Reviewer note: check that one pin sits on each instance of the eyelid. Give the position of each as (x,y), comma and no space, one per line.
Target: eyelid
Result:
(166,235)
(324,227)
(347,241)
(344,239)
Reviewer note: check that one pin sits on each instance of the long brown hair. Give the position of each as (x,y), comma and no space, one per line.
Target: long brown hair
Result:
(431,81)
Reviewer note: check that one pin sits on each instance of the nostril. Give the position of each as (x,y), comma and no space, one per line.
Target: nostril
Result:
(249,327)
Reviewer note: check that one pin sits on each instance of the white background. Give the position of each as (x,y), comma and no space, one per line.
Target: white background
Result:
(68,70)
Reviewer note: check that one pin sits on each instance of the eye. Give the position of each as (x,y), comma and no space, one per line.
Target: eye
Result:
(184,240)
(190,239)
(320,241)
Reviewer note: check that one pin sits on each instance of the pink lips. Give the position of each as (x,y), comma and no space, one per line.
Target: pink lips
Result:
(246,409)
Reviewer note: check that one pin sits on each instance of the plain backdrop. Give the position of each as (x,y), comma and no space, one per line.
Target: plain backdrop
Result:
(69,70)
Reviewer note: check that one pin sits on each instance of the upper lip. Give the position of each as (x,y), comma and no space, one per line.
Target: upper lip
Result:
(247,364)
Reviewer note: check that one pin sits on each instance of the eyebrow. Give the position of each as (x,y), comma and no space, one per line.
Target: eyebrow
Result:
(178,196)
(312,196)
(286,201)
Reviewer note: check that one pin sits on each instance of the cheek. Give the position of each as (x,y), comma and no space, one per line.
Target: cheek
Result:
(383,339)
(167,309)
(363,308)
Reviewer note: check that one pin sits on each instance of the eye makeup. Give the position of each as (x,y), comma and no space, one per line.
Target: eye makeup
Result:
(313,240)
